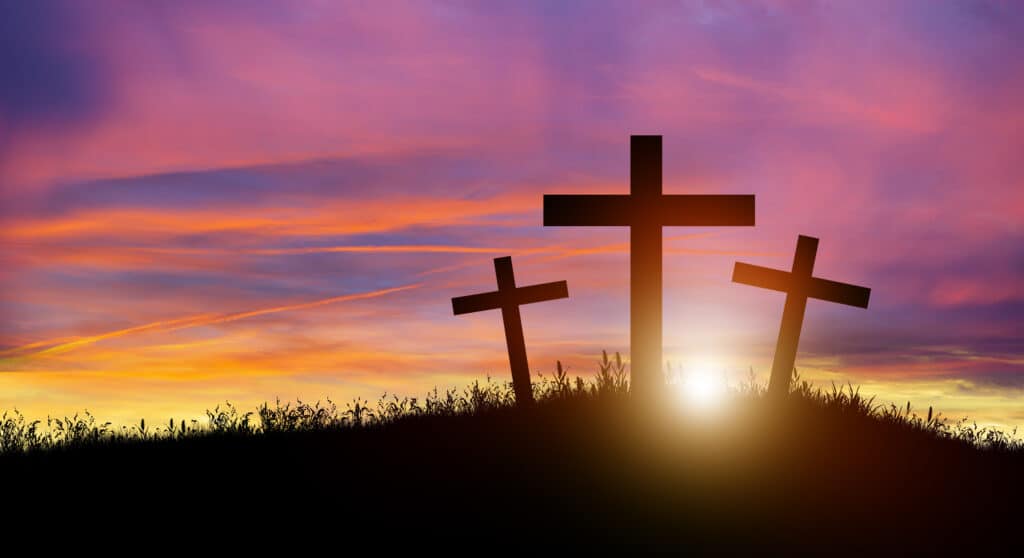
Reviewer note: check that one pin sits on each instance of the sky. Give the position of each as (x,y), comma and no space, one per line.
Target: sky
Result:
(243,200)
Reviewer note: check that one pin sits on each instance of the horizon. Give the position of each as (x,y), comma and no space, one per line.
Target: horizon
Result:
(200,202)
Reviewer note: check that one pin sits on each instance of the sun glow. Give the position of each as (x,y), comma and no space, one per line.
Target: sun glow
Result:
(701,387)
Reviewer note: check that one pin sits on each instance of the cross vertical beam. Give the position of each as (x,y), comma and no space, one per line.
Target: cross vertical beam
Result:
(515,341)
(793,315)
(645,267)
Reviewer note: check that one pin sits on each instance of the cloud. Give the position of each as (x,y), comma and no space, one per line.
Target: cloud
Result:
(60,345)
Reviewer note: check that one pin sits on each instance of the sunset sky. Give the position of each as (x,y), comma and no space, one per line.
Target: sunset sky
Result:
(204,201)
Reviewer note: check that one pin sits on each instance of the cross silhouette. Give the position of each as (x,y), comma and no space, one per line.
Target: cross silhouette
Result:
(645,210)
(798,285)
(509,298)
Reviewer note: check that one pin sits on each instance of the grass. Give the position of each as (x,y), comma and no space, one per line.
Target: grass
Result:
(20,435)
(828,472)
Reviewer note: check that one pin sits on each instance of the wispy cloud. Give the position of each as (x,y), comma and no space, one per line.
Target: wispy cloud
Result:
(60,346)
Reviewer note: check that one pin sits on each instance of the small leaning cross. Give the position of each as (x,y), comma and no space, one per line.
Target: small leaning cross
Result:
(509,298)
(799,285)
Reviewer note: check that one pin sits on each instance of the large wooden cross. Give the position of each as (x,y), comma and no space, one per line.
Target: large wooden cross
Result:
(645,210)
(509,298)
(799,285)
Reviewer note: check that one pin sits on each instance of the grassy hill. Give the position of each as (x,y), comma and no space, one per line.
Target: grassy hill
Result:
(826,473)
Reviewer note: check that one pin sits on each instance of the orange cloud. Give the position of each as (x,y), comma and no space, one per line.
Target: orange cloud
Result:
(333,218)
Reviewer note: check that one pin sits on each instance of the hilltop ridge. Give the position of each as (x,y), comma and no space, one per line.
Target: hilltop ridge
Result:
(828,472)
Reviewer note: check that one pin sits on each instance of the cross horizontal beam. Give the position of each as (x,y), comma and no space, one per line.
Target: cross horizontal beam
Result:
(622,210)
(812,287)
(764,277)
(841,293)
(521,295)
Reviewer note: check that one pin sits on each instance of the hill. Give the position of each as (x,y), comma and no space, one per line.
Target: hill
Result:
(826,473)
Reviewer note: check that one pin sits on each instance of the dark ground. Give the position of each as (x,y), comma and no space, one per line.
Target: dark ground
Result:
(581,472)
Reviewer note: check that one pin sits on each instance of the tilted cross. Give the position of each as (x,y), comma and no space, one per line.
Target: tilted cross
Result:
(645,210)
(509,298)
(799,285)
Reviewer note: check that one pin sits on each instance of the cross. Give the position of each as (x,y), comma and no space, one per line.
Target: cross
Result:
(509,298)
(645,210)
(798,285)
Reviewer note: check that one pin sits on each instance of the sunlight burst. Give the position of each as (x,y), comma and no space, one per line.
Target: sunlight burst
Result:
(702,388)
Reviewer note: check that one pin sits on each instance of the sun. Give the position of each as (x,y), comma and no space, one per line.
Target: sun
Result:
(702,387)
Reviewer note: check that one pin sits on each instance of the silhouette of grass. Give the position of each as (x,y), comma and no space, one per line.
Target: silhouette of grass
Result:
(20,435)
(828,472)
